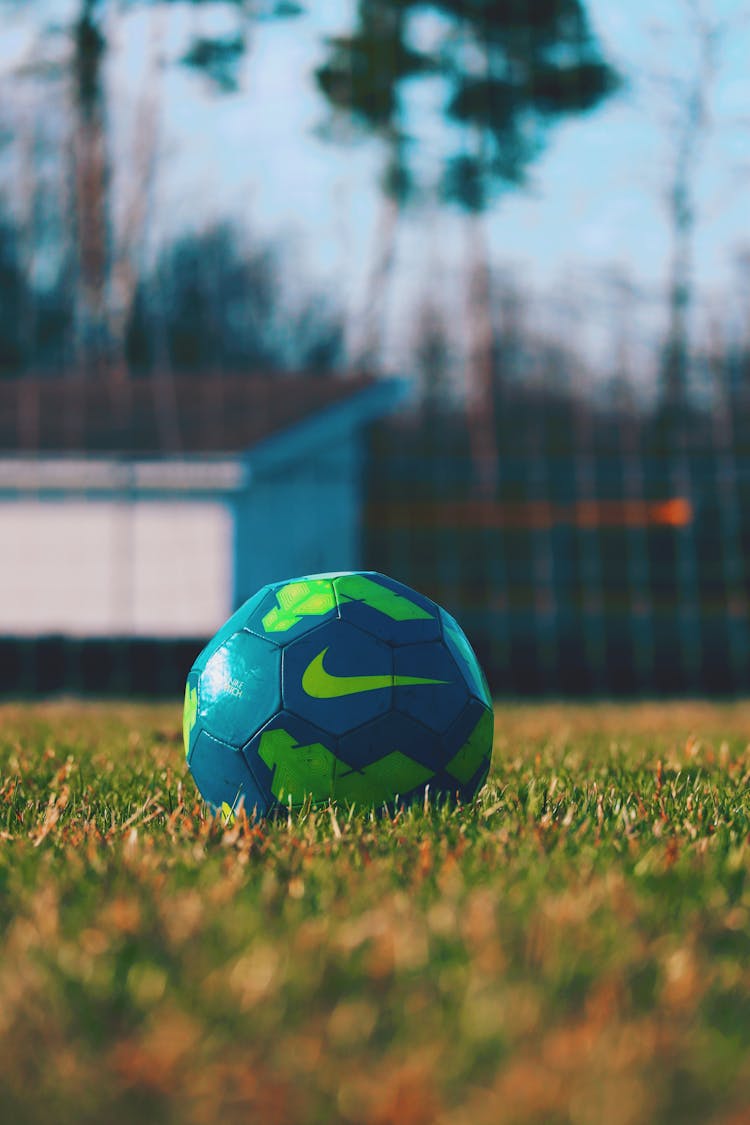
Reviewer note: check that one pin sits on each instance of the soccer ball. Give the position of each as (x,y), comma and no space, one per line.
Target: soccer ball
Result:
(345,687)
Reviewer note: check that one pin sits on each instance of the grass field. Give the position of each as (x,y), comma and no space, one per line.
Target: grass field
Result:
(575,947)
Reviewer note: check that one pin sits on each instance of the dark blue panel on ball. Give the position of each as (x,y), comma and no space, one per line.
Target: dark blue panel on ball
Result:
(231,626)
(468,748)
(388,609)
(222,775)
(438,704)
(240,688)
(388,733)
(337,677)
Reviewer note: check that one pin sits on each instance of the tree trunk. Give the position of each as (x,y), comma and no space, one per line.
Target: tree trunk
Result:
(481,365)
(367,353)
(90,193)
(675,369)
(127,256)
(681,200)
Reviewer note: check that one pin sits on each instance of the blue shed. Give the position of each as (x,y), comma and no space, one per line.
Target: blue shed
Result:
(300,511)
(146,512)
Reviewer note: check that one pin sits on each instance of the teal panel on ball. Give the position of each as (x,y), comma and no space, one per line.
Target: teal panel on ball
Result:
(464,655)
(223,777)
(240,688)
(231,626)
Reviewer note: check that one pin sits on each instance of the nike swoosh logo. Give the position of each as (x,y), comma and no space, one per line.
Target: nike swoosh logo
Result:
(319,684)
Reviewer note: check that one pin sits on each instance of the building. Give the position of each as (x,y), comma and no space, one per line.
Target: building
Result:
(134,518)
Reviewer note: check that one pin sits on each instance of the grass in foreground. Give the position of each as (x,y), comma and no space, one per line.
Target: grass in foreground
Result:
(574,948)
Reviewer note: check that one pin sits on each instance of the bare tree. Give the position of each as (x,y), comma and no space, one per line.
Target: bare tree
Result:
(90,179)
(131,237)
(360,79)
(684,94)
(690,134)
(104,255)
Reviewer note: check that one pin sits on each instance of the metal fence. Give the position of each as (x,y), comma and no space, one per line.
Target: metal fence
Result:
(111,666)
(609,558)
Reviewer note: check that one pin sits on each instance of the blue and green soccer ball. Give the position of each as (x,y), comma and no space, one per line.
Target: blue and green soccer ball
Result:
(343,687)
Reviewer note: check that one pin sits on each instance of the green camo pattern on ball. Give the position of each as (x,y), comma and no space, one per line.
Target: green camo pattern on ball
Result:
(459,645)
(189,715)
(476,749)
(360,588)
(314,772)
(315,597)
(299,771)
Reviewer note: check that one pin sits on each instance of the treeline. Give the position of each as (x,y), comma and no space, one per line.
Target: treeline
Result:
(211,301)
(507,75)
(610,554)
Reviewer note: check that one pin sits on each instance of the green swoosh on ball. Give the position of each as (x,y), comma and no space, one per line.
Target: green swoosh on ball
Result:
(320,684)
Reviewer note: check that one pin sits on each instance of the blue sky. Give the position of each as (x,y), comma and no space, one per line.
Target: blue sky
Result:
(596,198)
(597,193)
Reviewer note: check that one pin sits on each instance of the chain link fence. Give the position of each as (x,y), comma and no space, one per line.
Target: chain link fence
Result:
(610,558)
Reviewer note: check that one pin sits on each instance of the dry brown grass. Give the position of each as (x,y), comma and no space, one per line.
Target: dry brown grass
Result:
(573,948)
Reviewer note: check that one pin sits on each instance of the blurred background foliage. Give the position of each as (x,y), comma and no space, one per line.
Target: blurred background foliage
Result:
(572,474)
(508,72)
(452,107)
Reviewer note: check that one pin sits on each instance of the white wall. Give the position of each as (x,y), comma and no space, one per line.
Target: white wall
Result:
(156,568)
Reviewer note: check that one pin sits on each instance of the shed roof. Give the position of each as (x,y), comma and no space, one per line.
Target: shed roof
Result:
(164,416)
